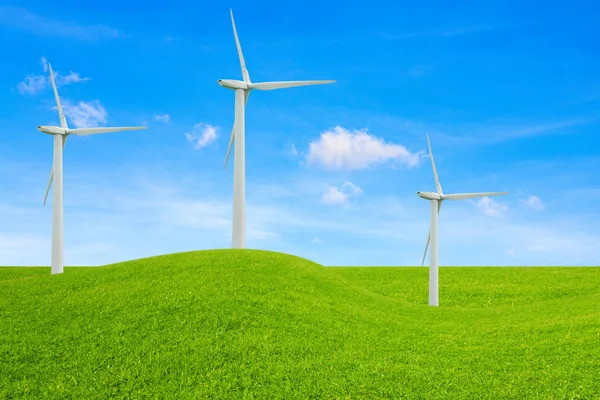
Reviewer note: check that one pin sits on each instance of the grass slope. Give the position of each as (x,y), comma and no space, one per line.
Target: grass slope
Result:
(256,325)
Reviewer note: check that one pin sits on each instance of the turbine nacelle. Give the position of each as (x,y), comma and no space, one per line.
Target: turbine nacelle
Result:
(430,195)
(52,130)
(234,84)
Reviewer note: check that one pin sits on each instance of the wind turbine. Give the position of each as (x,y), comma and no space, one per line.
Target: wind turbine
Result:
(242,90)
(60,138)
(436,199)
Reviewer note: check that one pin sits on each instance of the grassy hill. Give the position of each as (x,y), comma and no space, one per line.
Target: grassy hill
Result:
(262,325)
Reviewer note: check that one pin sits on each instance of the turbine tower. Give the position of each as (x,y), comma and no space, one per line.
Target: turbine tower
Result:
(56,174)
(436,199)
(242,90)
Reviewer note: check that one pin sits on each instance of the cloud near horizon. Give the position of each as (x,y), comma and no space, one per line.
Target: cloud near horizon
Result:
(153,212)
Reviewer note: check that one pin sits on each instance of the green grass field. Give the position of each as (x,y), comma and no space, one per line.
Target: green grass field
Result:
(253,324)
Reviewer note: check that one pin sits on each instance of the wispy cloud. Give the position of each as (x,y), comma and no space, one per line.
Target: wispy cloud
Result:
(73,77)
(18,249)
(495,131)
(418,71)
(543,128)
(166,118)
(316,241)
(339,195)
(260,234)
(22,19)
(533,202)
(466,30)
(490,206)
(485,132)
(439,33)
(587,99)
(338,148)
(293,150)
(34,83)
(85,113)
(202,135)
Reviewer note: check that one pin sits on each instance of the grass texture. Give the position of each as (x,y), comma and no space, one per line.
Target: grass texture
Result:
(250,324)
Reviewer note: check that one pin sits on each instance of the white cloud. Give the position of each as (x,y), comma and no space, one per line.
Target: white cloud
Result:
(533,202)
(490,206)
(339,148)
(34,83)
(294,151)
(335,195)
(20,18)
(166,118)
(85,114)
(316,241)
(202,135)
(73,77)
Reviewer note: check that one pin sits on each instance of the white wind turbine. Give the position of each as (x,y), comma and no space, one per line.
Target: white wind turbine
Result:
(60,137)
(242,90)
(436,199)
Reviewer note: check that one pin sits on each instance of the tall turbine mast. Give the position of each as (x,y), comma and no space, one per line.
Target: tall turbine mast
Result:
(436,199)
(56,173)
(242,91)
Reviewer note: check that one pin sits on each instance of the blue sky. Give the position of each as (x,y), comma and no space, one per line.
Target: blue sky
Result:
(509,94)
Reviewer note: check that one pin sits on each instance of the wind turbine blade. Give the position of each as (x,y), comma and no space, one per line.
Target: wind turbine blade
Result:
(63,121)
(49,184)
(64,140)
(426,247)
(239,49)
(229,147)
(94,131)
(287,84)
(246,94)
(462,196)
(429,236)
(438,186)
